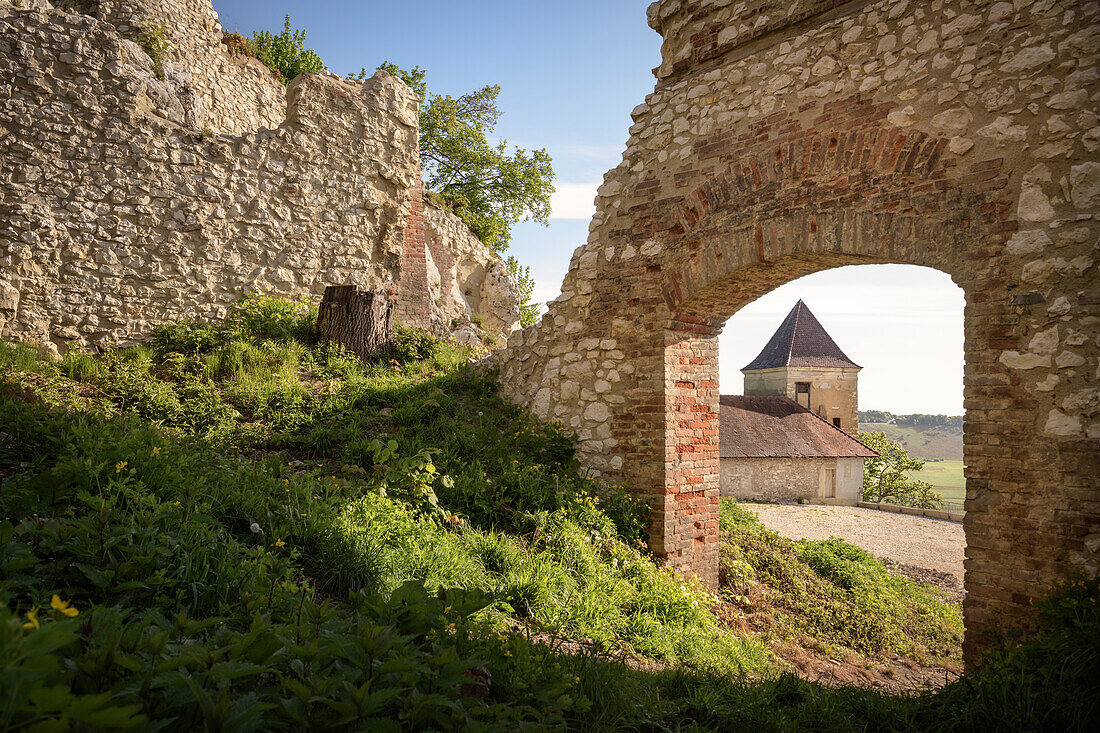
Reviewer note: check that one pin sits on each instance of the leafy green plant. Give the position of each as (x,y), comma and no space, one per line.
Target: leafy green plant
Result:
(886,476)
(153,40)
(528,310)
(486,186)
(285,53)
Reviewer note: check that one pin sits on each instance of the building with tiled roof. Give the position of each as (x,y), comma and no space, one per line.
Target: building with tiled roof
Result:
(791,437)
(801,361)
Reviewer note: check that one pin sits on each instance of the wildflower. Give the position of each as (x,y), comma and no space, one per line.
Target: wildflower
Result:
(59,605)
(121,465)
(279,543)
(156,451)
(576,680)
(450,627)
(255,528)
(507,653)
(175,503)
(32,620)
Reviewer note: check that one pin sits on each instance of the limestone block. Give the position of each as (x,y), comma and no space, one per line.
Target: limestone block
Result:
(1084,181)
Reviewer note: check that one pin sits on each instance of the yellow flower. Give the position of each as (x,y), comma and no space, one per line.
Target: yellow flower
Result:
(59,605)
(175,503)
(121,465)
(32,622)
(279,543)
(156,451)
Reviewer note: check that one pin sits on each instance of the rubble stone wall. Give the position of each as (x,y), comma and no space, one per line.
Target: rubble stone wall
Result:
(784,139)
(791,479)
(217,89)
(118,211)
(466,280)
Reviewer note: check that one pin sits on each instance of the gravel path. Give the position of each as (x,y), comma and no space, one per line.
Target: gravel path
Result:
(927,543)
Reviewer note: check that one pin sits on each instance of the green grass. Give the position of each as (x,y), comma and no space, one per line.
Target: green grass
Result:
(260,532)
(924,442)
(832,595)
(942,475)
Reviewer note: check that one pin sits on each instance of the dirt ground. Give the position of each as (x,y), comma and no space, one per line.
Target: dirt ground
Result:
(923,549)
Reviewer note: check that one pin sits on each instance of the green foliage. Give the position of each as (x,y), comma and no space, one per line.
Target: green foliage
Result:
(285,53)
(277,561)
(153,40)
(832,592)
(486,186)
(414,344)
(528,310)
(886,476)
(881,416)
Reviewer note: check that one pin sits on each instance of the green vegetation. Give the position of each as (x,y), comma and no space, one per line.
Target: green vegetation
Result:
(888,478)
(236,528)
(918,420)
(486,186)
(942,474)
(528,310)
(153,40)
(935,443)
(831,595)
(285,53)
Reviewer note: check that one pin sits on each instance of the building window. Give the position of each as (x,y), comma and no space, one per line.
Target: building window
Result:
(836,422)
(802,394)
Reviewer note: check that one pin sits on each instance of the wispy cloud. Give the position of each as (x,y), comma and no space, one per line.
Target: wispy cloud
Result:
(573,200)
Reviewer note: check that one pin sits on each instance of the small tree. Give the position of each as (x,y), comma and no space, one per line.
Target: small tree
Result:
(885,477)
(285,53)
(528,310)
(486,186)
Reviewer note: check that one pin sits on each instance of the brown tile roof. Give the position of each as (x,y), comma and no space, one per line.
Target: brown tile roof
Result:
(778,427)
(800,341)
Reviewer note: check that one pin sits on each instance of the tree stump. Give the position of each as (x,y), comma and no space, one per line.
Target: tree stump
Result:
(362,322)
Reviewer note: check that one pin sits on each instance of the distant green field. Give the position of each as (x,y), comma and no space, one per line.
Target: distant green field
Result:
(942,474)
(923,442)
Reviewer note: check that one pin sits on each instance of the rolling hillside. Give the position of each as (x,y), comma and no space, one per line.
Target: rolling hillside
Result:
(927,442)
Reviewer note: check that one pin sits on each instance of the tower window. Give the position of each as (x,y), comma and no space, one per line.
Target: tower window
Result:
(836,422)
(802,394)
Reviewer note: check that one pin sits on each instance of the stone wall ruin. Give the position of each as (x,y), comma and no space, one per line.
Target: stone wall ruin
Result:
(786,138)
(127,199)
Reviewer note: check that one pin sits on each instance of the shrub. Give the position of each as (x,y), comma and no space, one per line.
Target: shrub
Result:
(153,40)
(285,53)
(414,344)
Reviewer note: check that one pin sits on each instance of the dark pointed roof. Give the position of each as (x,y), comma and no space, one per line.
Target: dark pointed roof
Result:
(779,427)
(801,341)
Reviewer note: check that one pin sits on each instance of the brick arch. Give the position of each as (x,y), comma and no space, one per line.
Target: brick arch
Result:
(781,140)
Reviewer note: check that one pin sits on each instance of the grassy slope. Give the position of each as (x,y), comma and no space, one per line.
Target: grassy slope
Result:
(262,532)
(932,443)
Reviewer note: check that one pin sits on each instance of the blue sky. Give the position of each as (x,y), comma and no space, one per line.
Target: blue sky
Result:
(570,72)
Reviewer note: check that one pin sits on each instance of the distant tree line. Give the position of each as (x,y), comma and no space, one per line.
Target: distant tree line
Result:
(919,419)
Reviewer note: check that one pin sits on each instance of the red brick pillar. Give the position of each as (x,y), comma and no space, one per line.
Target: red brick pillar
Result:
(413,308)
(685,519)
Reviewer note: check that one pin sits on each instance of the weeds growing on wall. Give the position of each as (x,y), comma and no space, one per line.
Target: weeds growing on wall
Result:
(285,53)
(153,40)
(234,527)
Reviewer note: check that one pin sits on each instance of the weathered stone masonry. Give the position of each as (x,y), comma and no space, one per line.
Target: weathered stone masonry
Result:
(786,138)
(127,200)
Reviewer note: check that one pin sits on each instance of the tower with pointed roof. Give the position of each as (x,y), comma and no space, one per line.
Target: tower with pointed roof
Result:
(801,361)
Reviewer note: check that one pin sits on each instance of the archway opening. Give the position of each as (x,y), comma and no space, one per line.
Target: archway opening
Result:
(833,388)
